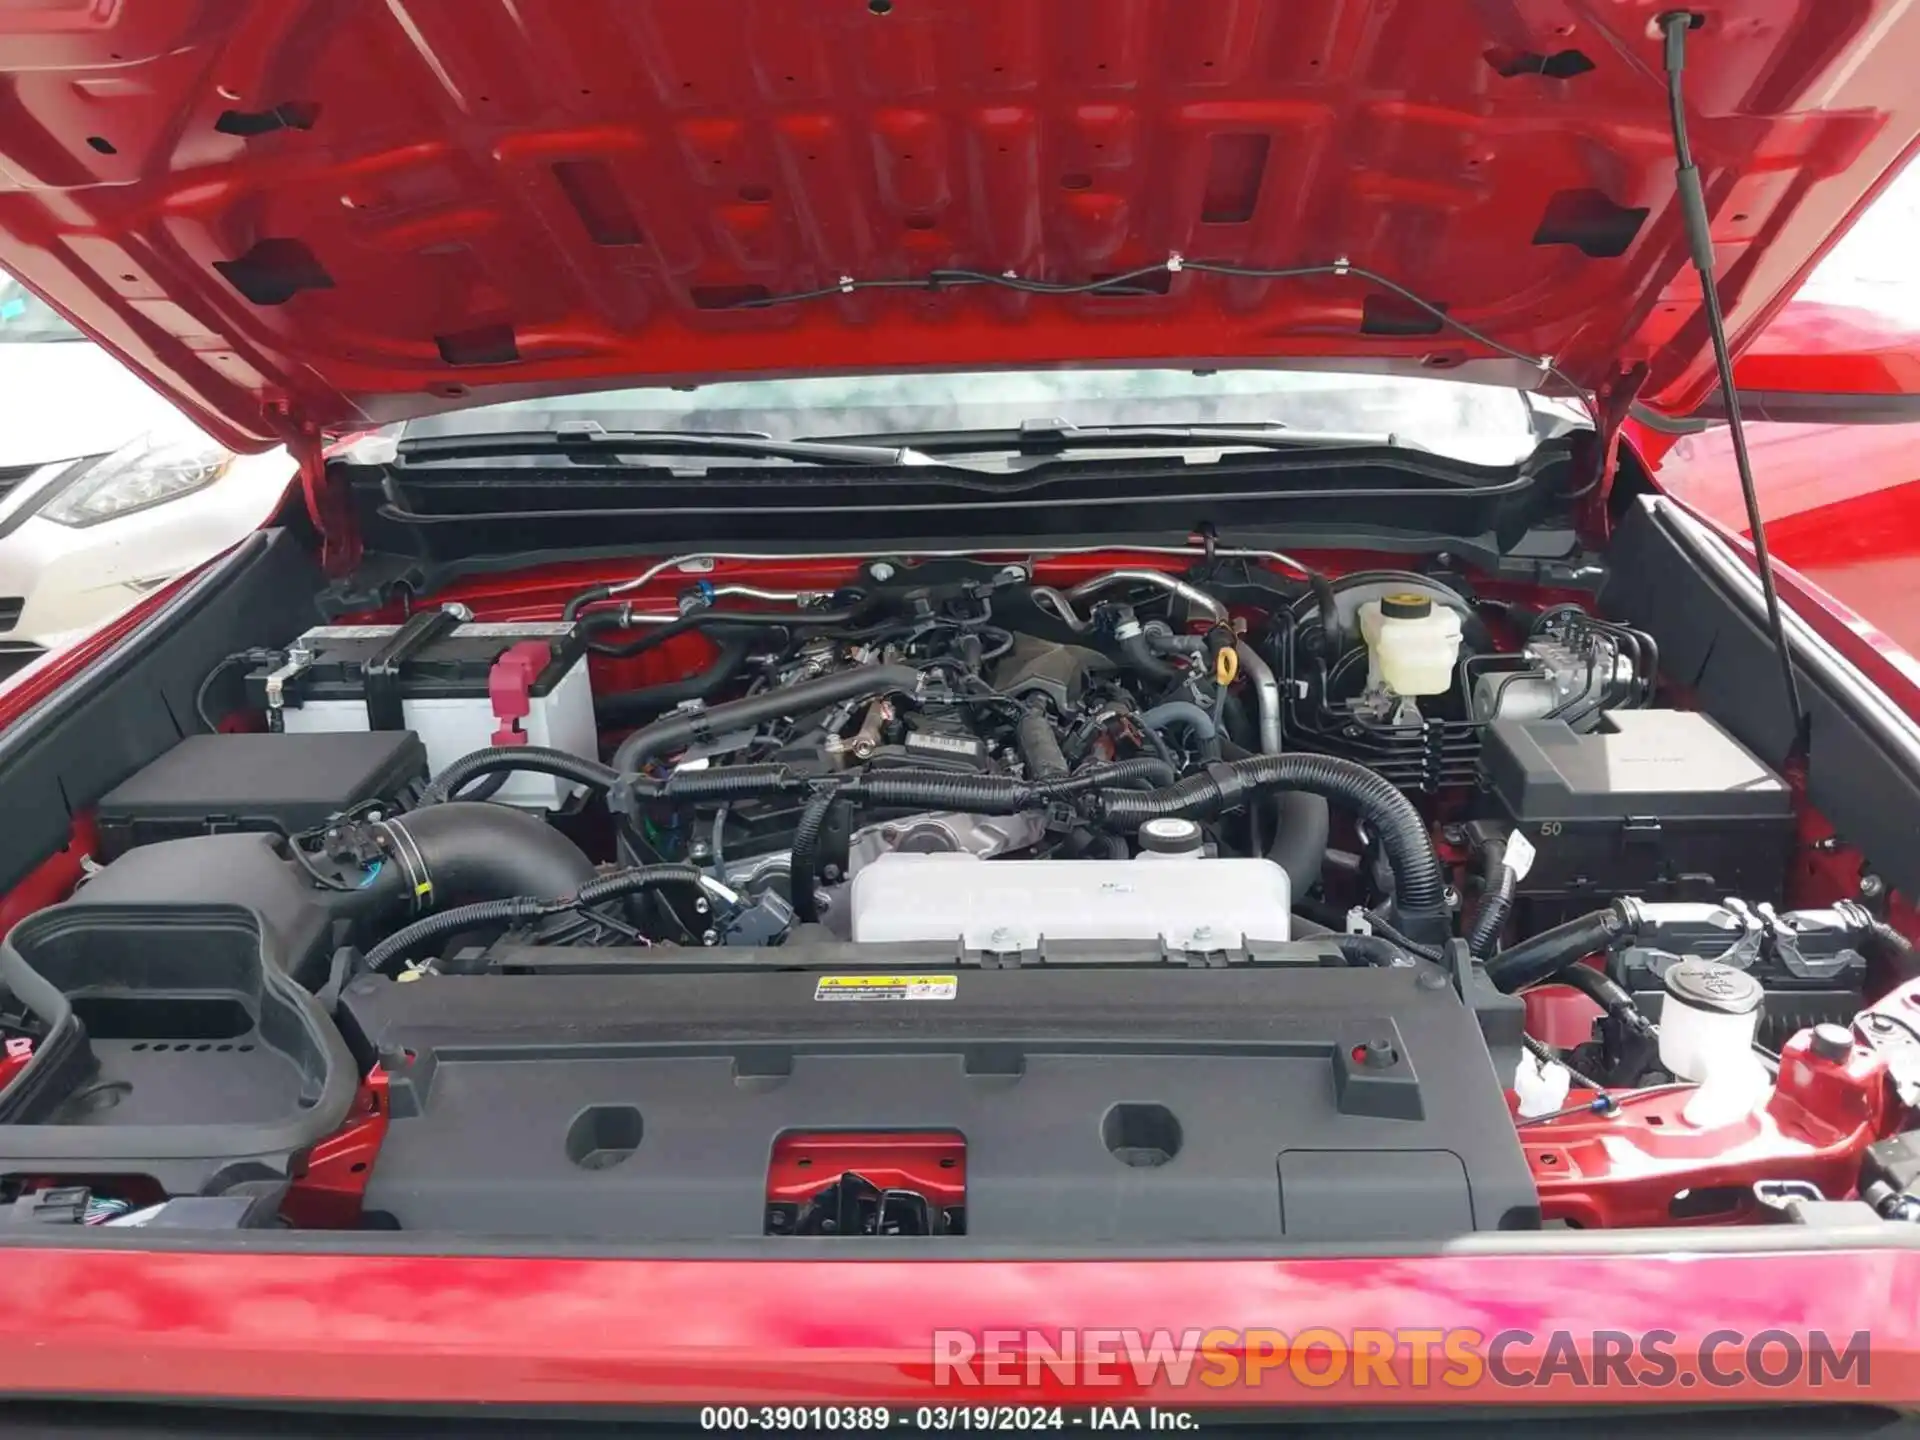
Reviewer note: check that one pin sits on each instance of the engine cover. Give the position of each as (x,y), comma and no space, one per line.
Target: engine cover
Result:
(1098,1103)
(1189,904)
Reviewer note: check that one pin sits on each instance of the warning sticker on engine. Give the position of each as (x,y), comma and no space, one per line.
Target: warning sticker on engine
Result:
(886,987)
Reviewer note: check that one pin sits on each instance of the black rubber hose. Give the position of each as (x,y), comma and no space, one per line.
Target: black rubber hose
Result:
(1607,993)
(674,732)
(1496,900)
(1300,847)
(1542,957)
(1040,747)
(464,851)
(1332,636)
(631,707)
(1386,927)
(1135,651)
(504,759)
(1371,950)
(804,863)
(1419,883)
(592,595)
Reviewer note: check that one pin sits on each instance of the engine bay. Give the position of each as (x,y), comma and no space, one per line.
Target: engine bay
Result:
(1149,896)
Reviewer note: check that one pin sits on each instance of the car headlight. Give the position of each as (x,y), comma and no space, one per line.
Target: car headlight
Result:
(149,471)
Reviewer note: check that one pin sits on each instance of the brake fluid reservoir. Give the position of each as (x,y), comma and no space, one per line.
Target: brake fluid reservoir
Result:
(1411,643)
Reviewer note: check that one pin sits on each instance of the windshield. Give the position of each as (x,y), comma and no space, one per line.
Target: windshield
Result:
(25,316)
(1477,423)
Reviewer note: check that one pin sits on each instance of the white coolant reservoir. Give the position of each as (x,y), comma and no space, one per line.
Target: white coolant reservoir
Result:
(1411,643)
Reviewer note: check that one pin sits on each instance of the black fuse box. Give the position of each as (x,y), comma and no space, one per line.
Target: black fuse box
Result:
(209,784)
(1660,804)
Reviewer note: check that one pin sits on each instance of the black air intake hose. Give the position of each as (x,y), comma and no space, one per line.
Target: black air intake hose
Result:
(1040,747)
(503,759)
(675,732)
(1419,884)
(460,852)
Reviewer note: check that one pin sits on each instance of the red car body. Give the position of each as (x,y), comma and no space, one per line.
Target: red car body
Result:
(302,219)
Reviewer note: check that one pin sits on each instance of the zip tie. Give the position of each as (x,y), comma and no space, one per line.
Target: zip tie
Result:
(846,284)
(1342,265)
(1546,364)
(1176,262)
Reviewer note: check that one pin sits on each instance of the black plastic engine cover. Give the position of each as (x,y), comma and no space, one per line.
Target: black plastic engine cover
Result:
(1306,1102)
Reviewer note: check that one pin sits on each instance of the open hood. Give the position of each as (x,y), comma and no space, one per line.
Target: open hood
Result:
(307,215)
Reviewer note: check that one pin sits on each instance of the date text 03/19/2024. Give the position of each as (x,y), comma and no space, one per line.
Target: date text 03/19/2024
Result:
(942,1419)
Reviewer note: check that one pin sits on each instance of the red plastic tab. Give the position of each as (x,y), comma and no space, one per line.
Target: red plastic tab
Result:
(510,687)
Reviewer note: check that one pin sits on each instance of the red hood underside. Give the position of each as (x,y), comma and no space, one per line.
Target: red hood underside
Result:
(322,213)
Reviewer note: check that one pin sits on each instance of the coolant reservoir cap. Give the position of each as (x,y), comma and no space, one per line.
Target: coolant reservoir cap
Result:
(1406,606)
(1709,985)
(1170,835)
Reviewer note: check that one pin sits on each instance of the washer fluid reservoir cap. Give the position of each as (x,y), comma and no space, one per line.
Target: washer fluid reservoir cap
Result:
(1711,986)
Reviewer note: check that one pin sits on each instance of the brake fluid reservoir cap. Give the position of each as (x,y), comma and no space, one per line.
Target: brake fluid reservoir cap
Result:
(1409,606)
(1713,987)
(1170,835)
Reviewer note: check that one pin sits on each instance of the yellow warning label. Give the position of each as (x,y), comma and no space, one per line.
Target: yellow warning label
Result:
(886,987)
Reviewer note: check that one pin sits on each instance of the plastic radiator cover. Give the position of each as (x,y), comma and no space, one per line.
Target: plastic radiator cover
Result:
(1306,1102)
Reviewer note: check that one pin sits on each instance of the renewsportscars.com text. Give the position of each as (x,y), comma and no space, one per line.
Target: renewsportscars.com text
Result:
(1458,1359)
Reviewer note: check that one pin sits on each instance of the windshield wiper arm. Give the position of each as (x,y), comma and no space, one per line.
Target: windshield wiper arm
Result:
(591,443)
(1050,437)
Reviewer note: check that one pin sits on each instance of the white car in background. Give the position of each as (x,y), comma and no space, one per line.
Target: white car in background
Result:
(106,490)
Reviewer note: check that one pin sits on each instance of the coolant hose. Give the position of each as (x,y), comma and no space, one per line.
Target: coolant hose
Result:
(675,732)
(1131,641)
(804,862)
(1040,747)
(1419,894)
(504,759)
(1300,847)
(465,851)
(1496,900)
(1184,713)
(1544,956)
(630,707)
(1607,993)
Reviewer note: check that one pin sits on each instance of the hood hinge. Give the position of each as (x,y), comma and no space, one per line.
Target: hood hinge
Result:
(1613,401)
(329,501)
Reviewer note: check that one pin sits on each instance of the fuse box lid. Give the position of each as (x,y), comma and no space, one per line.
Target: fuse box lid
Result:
(1661,764)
